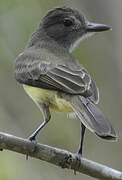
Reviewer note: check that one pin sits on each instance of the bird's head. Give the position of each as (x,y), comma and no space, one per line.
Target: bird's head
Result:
(67,26)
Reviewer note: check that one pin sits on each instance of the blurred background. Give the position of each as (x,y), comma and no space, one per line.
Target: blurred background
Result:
(100,54)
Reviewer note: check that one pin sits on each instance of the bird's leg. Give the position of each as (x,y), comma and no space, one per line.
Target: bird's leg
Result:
(47,116)
(82,138)
(79,153)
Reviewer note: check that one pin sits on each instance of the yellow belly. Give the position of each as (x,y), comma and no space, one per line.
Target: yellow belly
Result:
(55,101)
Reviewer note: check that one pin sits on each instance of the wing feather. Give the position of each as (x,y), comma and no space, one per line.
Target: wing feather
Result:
(55,76)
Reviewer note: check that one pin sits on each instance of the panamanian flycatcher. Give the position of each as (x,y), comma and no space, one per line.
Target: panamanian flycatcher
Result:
(54,79)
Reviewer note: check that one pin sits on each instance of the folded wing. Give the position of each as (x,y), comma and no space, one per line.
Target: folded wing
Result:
(39,73)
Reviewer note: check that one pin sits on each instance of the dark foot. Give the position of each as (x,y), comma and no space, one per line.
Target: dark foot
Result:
(78,160)
(80,152)
(31,138)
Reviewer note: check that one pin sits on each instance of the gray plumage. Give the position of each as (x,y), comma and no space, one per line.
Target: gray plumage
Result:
(47,63)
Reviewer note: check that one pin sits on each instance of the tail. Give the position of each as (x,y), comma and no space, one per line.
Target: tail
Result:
(93,118)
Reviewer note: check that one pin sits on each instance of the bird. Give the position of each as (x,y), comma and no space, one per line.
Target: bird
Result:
(55,80)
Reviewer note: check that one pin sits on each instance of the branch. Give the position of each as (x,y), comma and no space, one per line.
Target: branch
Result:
(58,157)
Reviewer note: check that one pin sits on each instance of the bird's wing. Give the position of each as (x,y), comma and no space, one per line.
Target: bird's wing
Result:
(95,91)
(31,71)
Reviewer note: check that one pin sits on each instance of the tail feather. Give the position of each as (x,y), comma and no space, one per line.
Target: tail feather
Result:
(93,118)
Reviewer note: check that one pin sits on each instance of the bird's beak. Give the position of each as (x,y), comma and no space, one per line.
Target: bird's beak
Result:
(94,27)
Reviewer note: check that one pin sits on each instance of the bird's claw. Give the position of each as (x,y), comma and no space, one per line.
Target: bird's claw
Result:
(78,162)
(33,140)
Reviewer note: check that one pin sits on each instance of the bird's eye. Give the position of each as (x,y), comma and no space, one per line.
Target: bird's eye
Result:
(68,22)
